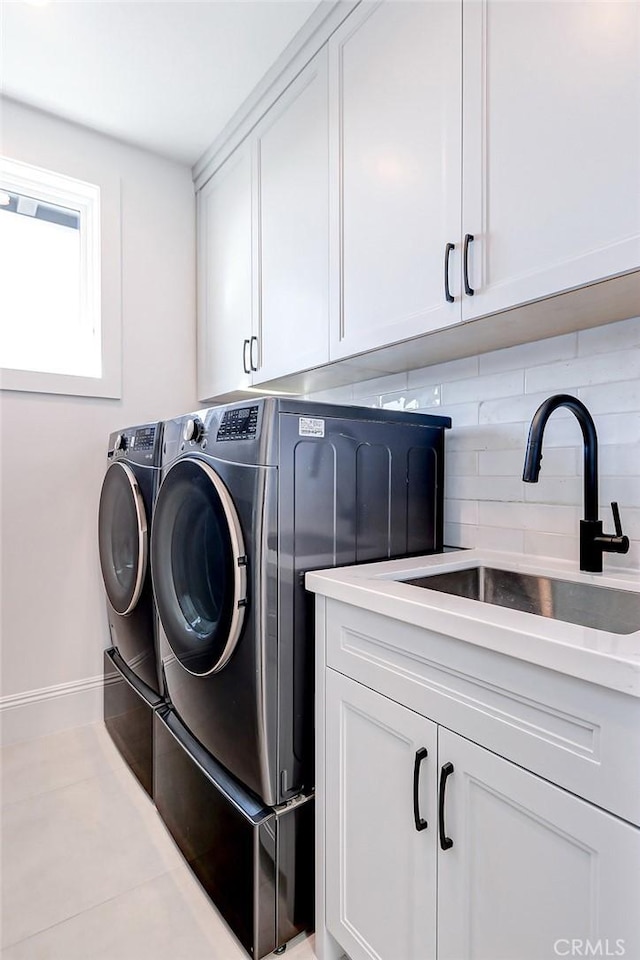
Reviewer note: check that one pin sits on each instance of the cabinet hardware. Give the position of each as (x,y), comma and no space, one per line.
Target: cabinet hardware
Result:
(447,253)
(251,360)
(245,344)
(445,842)
(468,289)
(421,755)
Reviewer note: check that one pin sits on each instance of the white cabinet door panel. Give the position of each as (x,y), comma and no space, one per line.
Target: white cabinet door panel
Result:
(224,277)
(395,70)
(293,203)
(532,867)
(551,166)
(380,870)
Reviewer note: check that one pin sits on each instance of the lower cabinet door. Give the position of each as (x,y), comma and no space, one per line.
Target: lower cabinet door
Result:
(533,872)
(380,858)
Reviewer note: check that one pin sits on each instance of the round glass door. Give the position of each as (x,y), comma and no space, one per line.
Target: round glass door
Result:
(198,566)
(122,538)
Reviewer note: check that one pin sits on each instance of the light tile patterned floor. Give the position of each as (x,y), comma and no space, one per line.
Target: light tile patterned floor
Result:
(89,871)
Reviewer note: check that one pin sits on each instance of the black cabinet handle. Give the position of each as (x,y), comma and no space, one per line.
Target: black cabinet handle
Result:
(245,344)
(251,361)
(447,253)
(421,755)
(468,289)
(445,842)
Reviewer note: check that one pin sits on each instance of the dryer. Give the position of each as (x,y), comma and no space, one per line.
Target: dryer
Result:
(253,495)
(132,685)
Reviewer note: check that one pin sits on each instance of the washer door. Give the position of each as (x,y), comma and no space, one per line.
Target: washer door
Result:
(198,565)
(122,537)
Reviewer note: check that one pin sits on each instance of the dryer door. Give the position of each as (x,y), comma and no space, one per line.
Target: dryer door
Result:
(198,565)
(122,537)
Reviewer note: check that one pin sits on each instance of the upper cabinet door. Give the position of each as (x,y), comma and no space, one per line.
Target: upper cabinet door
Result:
(292,200)
(551,146)
(395,129)
(224,278)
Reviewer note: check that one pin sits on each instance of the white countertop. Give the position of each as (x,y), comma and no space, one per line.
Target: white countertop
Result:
(608,659)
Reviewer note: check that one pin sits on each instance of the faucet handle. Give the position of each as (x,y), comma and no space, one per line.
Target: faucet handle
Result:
(616,518)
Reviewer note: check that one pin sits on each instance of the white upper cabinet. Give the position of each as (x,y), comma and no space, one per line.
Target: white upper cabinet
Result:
(395,128)
(292,199)
(225,278)
(551,176)
(434,162)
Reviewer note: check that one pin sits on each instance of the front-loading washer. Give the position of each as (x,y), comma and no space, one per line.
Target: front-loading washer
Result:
(131,665)
(253,494)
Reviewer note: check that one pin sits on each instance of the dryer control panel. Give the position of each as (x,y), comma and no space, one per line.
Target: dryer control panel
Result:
(239,423)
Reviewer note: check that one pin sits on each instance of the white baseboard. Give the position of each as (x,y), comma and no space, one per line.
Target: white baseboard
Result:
(38,713)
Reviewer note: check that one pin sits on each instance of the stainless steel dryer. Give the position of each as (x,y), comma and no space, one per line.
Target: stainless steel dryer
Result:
(253,495)
(132,685)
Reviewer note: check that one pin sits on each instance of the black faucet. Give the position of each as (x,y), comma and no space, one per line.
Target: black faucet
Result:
(593,542)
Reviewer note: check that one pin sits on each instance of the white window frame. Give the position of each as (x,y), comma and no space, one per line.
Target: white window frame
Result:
(100,264)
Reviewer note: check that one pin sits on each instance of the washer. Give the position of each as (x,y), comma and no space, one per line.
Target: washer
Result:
(132,679)
(253,494)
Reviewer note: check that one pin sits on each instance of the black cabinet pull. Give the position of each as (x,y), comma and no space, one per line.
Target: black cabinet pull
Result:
(447,253)
(251,362)
(421,755)
(468,289)
(445,842)
(245,344)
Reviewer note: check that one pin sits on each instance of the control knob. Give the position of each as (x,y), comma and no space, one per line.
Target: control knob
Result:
(193,429)
(121,442)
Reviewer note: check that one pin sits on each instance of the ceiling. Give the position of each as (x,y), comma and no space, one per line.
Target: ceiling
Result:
(166,76)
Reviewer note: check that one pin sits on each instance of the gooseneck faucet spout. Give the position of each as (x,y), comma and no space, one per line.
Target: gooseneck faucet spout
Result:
(593,542)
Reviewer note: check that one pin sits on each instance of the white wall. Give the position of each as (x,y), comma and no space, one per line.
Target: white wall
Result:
(53,448)
(491,399)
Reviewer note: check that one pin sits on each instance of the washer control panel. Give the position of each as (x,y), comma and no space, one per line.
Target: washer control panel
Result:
(240,423)
(144,438)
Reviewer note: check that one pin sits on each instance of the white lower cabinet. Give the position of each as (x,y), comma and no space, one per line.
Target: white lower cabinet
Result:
(532,868)
(381,870)
(508,867)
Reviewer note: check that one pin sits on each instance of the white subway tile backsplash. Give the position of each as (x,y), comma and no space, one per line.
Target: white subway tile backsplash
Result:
(498,436)
(462,414)
(530,354)
(531,516)
(380,385)
(606,399)
(491,400)
(483,488)
(462,463)
(462,511)
(460,535)
(517,409)
(618,428)
(483,388)
(465,369)
(501,538)
(583,372)
(626,490)
(566,490)
(619,461)
(612,336)
(538,543)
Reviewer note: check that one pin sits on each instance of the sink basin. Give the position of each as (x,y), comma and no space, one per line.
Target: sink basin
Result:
(586,604)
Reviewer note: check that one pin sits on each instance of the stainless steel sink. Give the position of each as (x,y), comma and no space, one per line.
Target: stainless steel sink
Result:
(589,605)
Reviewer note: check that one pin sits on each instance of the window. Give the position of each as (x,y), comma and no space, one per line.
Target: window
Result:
(53,335)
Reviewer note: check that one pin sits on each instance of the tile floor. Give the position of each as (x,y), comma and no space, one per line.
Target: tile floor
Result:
(89,871)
